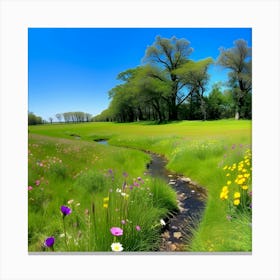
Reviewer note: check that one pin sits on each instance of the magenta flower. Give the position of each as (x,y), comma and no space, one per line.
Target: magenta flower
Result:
(138,228)
(30,188)
(65,210)
(116,231)
(49,241)
(37,182)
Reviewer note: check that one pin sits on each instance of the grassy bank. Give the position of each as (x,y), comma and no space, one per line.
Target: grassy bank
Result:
(203,151)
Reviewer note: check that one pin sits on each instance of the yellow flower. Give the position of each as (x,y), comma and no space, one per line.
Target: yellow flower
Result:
(105,205)
(225,189)
(106,199)
(228,182)
(247,175)
(241,181)
(228,174)
(236,195)
(223,195)
(225,167)
(244,187)
(236,202)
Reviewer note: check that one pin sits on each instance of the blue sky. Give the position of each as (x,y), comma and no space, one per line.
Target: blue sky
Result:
(73,69)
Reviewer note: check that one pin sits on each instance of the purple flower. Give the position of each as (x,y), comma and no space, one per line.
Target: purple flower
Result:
(37,183)
(65,210)
(125,174)
(138,228)
(123,222)
(116,231)
(49,241)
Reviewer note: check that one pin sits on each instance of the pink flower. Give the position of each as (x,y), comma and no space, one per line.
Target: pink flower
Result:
(138,228)
(37,182)
(123,222)
(30,188)
(116,231)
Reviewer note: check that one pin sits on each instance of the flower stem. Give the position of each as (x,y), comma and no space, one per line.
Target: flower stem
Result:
(65,233)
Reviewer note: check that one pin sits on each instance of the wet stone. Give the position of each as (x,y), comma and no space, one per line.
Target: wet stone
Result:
(177,234)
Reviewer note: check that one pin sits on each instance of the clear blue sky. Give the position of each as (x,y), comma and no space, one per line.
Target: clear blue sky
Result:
(73,69)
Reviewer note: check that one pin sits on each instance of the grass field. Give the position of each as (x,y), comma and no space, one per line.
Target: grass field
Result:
(66,167)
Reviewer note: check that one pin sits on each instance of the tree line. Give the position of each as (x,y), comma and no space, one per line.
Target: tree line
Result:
(67,117)
(170,86)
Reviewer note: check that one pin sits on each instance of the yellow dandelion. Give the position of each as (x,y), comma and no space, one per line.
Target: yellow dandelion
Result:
(247,175)
(223,195)
(244,170)
(105,205)
(244,187)
(225,167)
(228,182)
(236,202)
(225,189)
(228,174)
(236,195)
(241,181)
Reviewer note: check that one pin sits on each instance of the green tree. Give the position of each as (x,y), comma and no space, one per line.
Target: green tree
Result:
(168,55)
(238,60)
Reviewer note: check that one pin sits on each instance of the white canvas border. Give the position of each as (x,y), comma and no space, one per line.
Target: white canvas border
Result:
(17,16)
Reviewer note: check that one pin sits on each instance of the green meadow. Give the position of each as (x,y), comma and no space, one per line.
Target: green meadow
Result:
(106,186)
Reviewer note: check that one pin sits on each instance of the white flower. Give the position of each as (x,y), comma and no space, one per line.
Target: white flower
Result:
(118,190)
(70,201)
(117,247)
(162,222)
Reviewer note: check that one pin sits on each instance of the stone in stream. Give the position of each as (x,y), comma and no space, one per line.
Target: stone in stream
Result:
(184,179)
(177,234)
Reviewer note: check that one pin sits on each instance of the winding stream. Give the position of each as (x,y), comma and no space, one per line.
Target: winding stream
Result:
(191,203)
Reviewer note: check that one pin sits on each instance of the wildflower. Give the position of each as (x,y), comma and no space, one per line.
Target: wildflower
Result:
(105,205)
(106,199)
(138,228)
(244,187)
(236,195)
(49,242)
(228,182)
(118,190)
(223,195)
(37,182)
(228,174)
(236,202)
(116,231)
(125,174)
(65,210)
(30,188)
(117,247)
(123,222)
(225,189)
(162,222)
(70,201)
(225,167)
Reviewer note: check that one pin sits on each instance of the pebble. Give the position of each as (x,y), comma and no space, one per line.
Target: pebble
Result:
(184,179)
(177,234)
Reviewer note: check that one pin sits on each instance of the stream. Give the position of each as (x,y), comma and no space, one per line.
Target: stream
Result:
(191,198)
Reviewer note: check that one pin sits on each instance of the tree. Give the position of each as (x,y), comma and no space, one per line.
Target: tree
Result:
(168,55)
(33,119)
(59,117)
(51,119)
(195,77)
(238,61)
